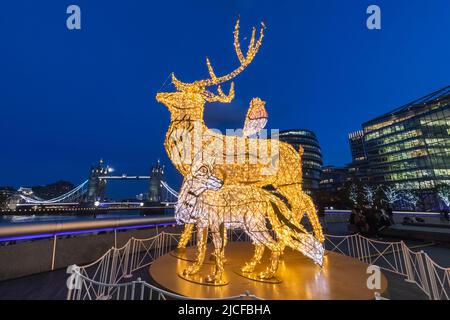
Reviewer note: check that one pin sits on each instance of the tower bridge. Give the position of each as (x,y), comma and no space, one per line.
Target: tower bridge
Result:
(92,192)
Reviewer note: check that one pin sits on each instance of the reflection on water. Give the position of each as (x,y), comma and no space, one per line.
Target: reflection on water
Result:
(5,220)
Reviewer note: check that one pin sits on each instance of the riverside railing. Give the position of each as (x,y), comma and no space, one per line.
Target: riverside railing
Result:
(56,230)
(342,216)
(107,277)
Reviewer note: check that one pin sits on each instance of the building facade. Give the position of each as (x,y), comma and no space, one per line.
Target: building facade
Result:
(359,166)
(312,156)
(333,178)
(357,147)
(410,146)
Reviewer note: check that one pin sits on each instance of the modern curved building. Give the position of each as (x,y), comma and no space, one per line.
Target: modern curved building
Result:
(312,156)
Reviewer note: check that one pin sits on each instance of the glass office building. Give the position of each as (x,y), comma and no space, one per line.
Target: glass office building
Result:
(312,156)
(358,168)
(357,147)
(410,146)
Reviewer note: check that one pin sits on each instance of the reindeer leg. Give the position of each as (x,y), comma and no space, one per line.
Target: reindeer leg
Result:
(265,238)
(219,253)
(256,259)
(256,228)
(225,241)
(282,247)
(202,238)
(274,261)
(185,236)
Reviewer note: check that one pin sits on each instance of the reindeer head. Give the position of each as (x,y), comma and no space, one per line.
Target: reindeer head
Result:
(194,95)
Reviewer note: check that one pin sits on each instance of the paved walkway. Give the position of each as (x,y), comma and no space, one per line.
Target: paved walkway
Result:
(41,286)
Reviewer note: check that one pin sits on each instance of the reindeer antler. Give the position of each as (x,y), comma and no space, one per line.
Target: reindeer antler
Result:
(222,97)
(214,80)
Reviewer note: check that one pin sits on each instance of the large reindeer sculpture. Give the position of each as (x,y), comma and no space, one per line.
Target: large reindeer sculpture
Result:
(278,168)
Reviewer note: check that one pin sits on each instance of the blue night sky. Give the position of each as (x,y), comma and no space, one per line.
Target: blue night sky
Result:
(69,98)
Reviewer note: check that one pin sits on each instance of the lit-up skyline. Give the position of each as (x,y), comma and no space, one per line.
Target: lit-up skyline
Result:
(70,98)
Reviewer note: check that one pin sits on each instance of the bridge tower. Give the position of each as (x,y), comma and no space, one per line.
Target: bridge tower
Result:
(155,187)
(96,186)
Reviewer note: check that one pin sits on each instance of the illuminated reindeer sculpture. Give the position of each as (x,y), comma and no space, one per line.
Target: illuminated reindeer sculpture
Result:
(263,164)
(209,204)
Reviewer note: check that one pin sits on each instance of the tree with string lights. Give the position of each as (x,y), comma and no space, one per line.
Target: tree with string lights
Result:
(411,198)
(443,194)
(392,194)
(369,194)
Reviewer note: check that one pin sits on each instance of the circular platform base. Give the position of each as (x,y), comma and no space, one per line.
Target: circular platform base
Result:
(341,277)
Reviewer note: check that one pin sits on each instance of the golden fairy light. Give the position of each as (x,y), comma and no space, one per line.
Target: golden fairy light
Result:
(237,181)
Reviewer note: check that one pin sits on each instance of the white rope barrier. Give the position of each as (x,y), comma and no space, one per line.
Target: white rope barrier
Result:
(104,278)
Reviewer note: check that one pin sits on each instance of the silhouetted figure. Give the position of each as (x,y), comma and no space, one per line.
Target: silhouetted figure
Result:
(361,222)
(352,227)
(445,214)
(371,218)
(390,214)
(384,220)
(351,219)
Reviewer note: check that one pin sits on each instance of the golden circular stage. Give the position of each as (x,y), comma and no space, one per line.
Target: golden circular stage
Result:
(341,277)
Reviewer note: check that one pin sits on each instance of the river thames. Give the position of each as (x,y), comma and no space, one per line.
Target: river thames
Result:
(42,218)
